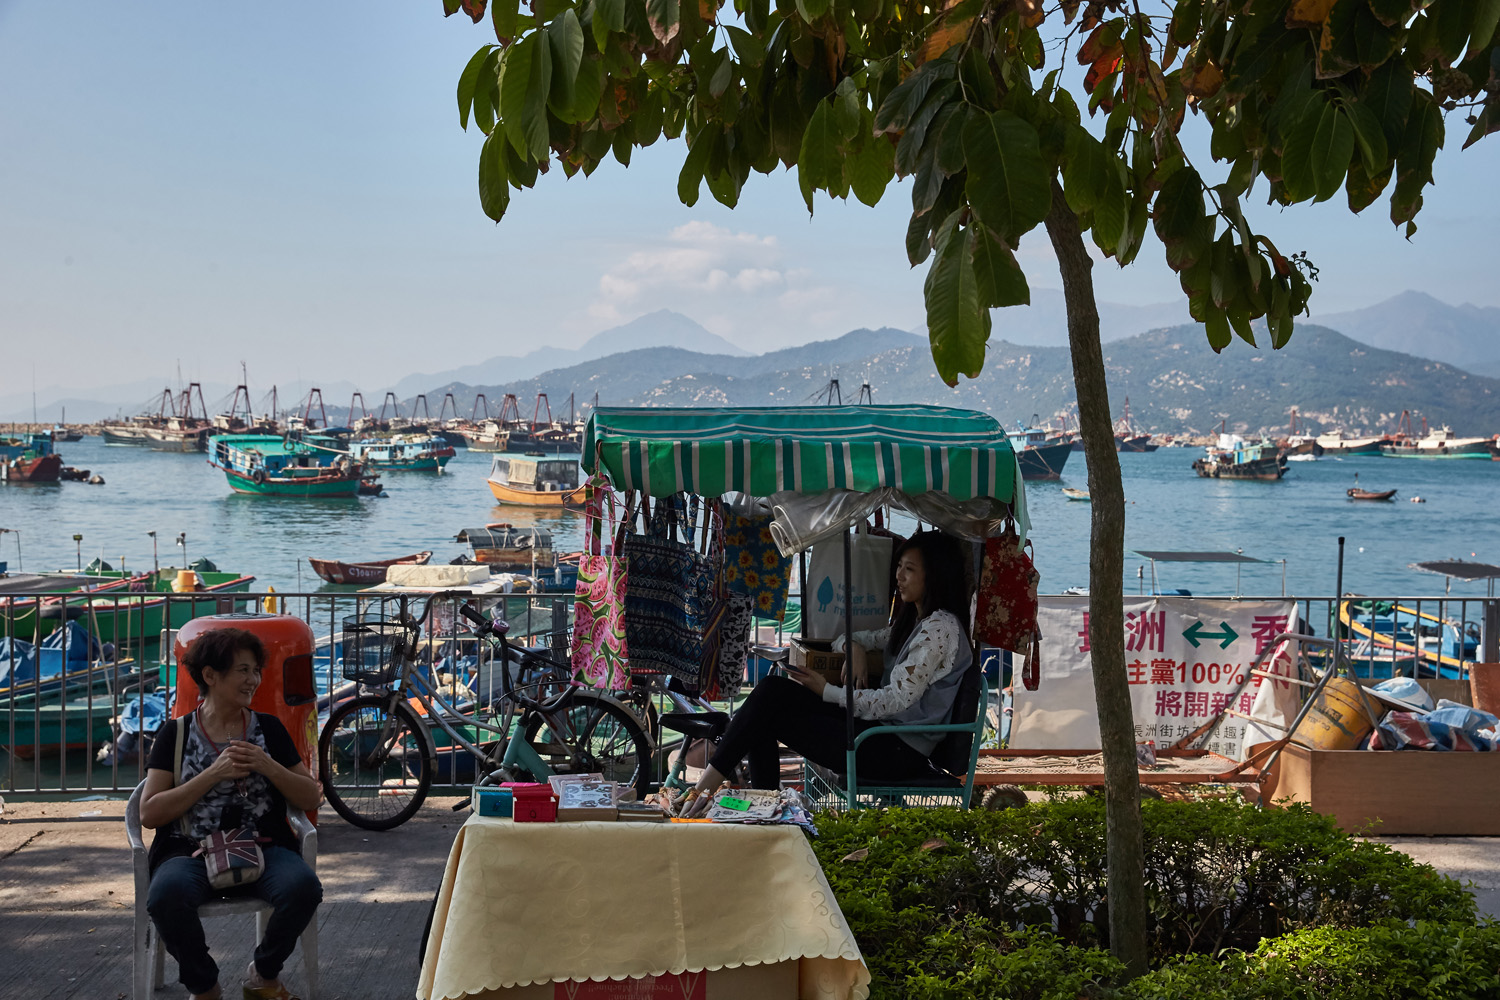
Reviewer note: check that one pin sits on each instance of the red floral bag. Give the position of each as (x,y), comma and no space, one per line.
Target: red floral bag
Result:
(1005,606)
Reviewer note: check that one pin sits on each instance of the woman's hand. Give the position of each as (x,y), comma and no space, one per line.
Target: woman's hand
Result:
(859,662)
(813,681)
(226,767)
(251,757)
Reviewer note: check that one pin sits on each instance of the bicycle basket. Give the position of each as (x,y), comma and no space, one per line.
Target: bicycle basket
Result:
(373,648)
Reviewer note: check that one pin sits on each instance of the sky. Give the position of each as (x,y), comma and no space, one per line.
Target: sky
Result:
(189,186)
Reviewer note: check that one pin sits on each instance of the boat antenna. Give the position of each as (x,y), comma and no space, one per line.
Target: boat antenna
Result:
(155,561)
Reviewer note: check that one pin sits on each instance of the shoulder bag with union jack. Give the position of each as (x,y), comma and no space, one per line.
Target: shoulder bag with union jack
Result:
(233,857)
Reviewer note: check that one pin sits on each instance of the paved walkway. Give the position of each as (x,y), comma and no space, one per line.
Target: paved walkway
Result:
(66,901)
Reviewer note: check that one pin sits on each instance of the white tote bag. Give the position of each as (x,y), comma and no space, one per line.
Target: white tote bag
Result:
(869,579)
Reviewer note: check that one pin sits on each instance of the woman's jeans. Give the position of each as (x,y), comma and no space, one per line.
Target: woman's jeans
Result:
(180,886)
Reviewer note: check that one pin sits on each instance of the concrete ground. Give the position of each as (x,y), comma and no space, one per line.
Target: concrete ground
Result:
(66,901)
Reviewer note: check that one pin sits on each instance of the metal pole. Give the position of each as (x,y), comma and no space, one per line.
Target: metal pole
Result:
(1491,633)
(1338,597)
(848,642)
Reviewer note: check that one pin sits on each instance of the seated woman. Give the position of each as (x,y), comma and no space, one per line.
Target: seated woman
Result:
(239,768)
(927,652)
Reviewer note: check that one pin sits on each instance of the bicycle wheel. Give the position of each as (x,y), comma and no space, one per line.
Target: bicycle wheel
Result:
(375,762)
(586,735)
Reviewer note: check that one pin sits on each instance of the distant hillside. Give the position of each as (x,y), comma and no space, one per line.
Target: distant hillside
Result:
(1174,381)
(662,328)
(1464,336)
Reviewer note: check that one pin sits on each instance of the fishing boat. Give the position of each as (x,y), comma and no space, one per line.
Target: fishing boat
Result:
(1126,436)
(51,725)
(62,432)
(402,453)
(1235,458)
(1338,444)
(181,430)
(309,465)
(533,483)
(1440,647)
(487,435)
(1300,446)
(364,573)
(548,436)
(1072,493)
(1355,492)
(505,548)
(1440,443)
(29,458)
(1040,458)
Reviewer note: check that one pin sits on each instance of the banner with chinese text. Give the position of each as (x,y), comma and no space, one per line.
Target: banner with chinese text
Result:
(1185,657)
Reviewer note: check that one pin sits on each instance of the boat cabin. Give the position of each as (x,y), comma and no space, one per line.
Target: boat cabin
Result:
(536,476)
(507,546)
(275,455)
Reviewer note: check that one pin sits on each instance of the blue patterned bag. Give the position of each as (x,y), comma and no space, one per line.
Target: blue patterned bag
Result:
(674,601)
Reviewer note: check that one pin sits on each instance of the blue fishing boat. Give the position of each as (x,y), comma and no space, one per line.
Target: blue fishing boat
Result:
(1040,453)
(307,465)
(402,453)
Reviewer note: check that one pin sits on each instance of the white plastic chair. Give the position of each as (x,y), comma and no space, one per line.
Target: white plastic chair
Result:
(150,959)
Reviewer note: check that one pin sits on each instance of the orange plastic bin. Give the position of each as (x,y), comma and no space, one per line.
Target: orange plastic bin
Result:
(287,690)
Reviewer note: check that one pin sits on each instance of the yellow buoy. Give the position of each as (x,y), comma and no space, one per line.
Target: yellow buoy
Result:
(268,603)
(1338,719)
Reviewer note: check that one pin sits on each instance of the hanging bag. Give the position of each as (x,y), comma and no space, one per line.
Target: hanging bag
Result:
(754,566)
(600,651)
(869,584)
(1006,602)
(670,598)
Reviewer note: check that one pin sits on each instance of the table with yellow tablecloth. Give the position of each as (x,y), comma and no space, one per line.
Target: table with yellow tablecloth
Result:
(537,903)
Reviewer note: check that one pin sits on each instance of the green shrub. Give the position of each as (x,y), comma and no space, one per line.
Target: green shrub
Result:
(1220,875)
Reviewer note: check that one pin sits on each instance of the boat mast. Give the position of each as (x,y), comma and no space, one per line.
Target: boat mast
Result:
(541,400)
(479,397)
(426,413)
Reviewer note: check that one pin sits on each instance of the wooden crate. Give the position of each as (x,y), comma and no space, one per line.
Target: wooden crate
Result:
(1420,792)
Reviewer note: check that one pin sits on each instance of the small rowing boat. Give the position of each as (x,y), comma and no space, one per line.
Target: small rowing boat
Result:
(1355,493)
(1073,493)
(364,573)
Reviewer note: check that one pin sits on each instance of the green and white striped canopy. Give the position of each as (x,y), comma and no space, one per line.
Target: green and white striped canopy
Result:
(805,449)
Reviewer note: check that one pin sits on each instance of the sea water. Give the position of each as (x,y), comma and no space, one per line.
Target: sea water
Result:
(1168,507)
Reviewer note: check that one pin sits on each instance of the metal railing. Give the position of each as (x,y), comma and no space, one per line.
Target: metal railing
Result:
(78,724)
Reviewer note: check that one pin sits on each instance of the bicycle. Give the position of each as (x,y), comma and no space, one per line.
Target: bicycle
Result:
(377,756)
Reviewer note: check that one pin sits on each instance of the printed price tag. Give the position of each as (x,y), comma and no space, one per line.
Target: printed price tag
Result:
(730,802)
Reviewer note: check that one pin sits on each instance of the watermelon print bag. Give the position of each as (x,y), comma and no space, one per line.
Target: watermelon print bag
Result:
(600,654)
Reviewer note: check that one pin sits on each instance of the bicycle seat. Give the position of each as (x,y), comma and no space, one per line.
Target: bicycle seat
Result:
(696,725)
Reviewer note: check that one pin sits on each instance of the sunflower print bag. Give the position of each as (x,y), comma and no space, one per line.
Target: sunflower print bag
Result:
(753,566)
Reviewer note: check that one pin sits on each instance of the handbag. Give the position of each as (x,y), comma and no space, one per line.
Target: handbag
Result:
(754,566)
(673,602)
(600,651)
(1005,610)
(233,856)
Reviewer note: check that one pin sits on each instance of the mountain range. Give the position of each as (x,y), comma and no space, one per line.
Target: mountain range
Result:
(1465,336)
(1174,381)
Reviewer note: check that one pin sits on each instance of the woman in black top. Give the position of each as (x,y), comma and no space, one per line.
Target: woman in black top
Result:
(238,768)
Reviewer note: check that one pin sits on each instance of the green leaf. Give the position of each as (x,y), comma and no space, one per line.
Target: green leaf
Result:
(515,79)
(747,48)
(1001,281)
(466,82)
(818,159)
(846,108)
(534,109)
(870,169)
(811,10)
(950,140)
(565,36)
(1008,183)
(1362,189)
(1389,96)
(1223,284)
(1423,138)
(503,18)
(691,176)
(918,242)
(1112,211)
(1180,218)
(1369,135)
(1316,154)
(1216,325)
(902,103)
(722,78)
(486,92)
(914,137)
(494,183)
(957,325)
(1239,321)
(1086,171)
(664,16)
(1486,19)
(588,90)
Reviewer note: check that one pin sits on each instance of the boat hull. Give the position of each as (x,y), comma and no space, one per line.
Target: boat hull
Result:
(1464,451)
(1044,462)
(559,499)
(118,615)
(1265,469)
(1134,443)
(426,463)
(41,469)
(300,486)
(181,443)
(364,574)
(1404,634)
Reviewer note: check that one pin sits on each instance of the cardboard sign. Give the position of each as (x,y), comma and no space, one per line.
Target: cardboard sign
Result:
(1184,659)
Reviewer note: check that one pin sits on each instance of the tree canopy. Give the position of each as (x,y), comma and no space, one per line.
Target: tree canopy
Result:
(970,98)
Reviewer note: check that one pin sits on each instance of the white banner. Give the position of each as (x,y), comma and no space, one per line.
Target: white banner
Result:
(1184,658)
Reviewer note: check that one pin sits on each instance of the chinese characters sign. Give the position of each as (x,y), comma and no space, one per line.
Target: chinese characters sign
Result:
(1186,659)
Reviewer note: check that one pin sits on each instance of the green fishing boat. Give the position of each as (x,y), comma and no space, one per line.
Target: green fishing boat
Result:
(120,608)
(311,465)
(82,721)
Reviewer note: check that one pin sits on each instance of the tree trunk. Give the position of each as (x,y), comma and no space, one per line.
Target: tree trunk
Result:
(1106,627)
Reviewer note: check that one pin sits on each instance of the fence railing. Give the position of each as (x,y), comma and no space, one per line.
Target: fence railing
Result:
(86,678)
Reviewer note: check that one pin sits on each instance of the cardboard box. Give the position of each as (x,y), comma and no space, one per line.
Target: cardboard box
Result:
(1410,792)
(774,981)
(818,655)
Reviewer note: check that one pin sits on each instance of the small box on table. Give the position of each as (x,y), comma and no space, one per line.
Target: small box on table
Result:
(532,802)
(818,656)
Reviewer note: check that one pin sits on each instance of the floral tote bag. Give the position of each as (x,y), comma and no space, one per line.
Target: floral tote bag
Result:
(600,651)
(753,566)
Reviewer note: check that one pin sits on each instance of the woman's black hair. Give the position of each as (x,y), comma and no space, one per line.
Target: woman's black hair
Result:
(946,586)
(214,650)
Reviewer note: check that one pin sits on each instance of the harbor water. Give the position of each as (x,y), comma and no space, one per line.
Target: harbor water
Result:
(1297,519)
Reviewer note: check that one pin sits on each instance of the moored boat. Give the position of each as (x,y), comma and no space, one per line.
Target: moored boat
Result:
(533,483)
(1441,647)
(1073,493)
(487,435)
(29,458)
(402,453)
(1040,457)
(117,607)
(311,465)
(1440,443)
(1355,493)
(1235,458)
(364,573)
(1338,444)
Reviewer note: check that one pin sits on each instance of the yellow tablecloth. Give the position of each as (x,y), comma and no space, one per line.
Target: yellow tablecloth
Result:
(525,903)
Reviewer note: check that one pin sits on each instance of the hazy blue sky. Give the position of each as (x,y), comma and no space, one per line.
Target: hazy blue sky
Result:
(287,184)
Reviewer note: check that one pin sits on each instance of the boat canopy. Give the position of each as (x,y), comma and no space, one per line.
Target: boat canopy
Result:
(1459,569)
(1199,557)
(949,467)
